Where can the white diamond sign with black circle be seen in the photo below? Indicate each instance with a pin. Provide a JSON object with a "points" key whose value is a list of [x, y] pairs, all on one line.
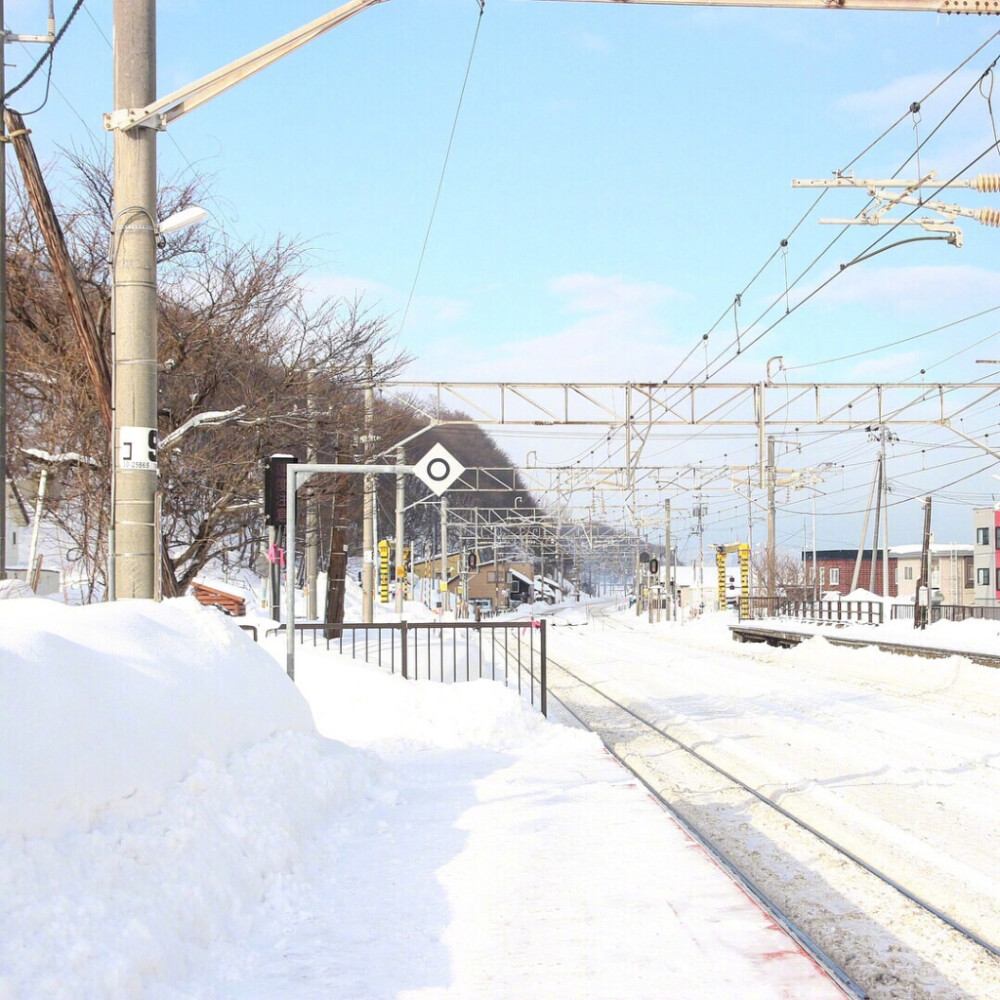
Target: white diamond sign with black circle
{"points": [[438, 469]]}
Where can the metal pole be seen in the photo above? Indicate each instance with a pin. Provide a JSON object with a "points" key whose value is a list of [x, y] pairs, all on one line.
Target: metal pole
{"points": [[312, 511], [771, 589], [670, 567], [885, 519], [400, 557], [367, 539], [444, 556], [134, 437], [291, 485]]}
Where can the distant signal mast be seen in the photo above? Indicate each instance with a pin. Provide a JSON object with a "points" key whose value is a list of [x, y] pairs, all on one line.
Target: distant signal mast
{"points": [[908, 194]]}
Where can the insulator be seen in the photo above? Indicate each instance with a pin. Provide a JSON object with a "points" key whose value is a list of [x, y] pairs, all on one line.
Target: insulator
{"points": [[988, 182], [990, 216]]}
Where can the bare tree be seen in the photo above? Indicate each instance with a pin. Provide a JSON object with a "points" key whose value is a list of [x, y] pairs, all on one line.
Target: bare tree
{"points": [[248, 365]]}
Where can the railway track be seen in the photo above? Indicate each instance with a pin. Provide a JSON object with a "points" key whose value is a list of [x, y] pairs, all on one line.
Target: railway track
{"points": [[831, 900], [787, 638]]}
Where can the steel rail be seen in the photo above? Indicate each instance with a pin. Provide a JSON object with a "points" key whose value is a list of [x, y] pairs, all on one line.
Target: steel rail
{"points": [[919, 901], [839, 975]]}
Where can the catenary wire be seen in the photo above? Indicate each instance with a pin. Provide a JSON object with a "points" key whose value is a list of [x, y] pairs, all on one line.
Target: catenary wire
{"points": [[444, 168]]}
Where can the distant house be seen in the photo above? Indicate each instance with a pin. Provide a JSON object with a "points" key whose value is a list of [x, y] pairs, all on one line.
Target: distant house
{"points": [[503, 584], [951, 566], [835, 571]]}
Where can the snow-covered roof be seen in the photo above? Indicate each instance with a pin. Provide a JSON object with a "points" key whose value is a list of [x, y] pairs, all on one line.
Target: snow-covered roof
{"points": [[936, 549]]}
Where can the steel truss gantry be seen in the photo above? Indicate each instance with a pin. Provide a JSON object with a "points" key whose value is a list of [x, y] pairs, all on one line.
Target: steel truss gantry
{"points": [[706, 404], [636, 409]]}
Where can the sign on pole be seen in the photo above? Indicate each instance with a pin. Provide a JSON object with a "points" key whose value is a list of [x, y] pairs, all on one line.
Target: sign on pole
{"points": [[438, 469]]}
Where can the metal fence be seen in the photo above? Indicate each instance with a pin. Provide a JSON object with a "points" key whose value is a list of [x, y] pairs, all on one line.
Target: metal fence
{"points": [[948, 612], [447, 652], [868, 612]]}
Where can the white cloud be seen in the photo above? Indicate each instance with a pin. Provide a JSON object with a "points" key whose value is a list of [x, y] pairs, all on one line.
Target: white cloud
{"points": [[594, 293], [345, 286], [887, 103], [618, 334], [916, 289], [887, 367], [590, 41]]}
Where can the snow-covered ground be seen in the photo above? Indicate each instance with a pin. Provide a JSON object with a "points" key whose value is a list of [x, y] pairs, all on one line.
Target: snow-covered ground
{"points": [[178, 820], [895, 757]]}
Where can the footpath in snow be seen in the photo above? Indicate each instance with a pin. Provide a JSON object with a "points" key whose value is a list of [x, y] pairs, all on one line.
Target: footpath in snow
{"points": [[178, 820]]}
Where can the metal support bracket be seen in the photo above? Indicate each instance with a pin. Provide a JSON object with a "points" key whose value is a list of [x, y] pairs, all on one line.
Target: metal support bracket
{"points": [[127, 118]]}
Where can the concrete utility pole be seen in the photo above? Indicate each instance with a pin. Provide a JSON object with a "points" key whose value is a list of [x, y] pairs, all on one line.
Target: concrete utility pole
{"points": [[878, 522], [367, 537], [133, 259], [400, 553]]}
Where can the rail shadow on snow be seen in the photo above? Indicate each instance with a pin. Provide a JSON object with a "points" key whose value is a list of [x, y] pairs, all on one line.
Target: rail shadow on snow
{"points": [[889, 968]]}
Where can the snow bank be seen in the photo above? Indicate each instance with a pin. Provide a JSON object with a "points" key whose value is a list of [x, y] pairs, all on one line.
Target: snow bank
{"points": [[106, 702], [160, 775], [363, 705]]}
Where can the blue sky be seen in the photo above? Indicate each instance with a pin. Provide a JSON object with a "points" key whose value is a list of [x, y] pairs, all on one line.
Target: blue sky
{"points": [[618, 175]]}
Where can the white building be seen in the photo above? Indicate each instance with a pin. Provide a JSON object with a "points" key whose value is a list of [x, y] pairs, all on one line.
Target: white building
{"points": [[951, 565], [986, 557]]}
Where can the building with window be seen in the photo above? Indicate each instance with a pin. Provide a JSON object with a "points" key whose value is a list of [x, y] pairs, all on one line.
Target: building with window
{"points": [[986, 524], [835, 570], [951, 565]]}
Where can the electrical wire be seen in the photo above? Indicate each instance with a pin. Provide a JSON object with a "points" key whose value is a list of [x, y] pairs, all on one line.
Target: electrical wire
{"points": [[444, 168], [892, 343], [745, 346], [48, 52]]}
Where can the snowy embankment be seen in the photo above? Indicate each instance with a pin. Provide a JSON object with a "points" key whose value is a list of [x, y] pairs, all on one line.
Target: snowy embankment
{"points": [[159, 775], [175, 821]]}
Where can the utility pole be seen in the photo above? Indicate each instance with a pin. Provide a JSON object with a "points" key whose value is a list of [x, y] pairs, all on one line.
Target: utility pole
{"points": [[400, 555], [875, 533], [921, 615], [133, 258], [885, 518], [367, 539], [670, 564], [772, 592]]}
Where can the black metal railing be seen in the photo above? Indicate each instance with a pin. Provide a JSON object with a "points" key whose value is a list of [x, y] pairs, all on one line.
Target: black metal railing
{"points": [[948, 612], [448, 652], [867, 612]]}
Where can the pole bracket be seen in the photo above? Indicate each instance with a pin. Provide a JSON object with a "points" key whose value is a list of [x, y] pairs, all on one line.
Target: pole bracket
{"points": [[129, 118]]}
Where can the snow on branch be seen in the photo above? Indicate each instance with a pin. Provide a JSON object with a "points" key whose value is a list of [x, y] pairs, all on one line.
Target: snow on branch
{"points": [[212, 418], [65, 458]]}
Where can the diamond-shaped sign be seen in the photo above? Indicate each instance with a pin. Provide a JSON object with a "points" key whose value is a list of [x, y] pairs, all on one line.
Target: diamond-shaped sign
{"points": [[438, 469]]}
